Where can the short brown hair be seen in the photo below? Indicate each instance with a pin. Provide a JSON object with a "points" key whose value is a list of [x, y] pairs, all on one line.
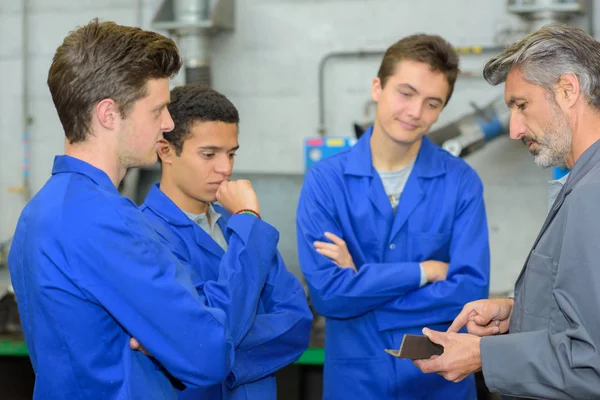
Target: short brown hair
{"points": [[432, 50], [104, 60]]}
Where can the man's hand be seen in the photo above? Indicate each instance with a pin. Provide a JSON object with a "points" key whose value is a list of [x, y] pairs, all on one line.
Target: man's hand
{"points": [[336, 251], [484, 317], [461, 355], [135, 345], [435, 270], [237, 195]]}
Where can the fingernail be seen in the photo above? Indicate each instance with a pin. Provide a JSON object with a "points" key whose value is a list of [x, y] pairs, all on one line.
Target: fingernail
{"points": [[426, 331]]}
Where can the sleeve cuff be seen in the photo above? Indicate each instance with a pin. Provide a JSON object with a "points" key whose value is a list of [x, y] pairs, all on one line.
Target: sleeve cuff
{"points": [[247, 226], [423, 281]]}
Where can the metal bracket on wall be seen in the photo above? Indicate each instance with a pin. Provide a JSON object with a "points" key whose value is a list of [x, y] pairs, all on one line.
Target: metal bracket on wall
{"points": [[203, 14], [193, 22]]}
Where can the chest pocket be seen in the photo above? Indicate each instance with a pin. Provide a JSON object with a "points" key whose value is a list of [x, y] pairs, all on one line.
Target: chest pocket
{"points": [[537, 288], [429, 246]]}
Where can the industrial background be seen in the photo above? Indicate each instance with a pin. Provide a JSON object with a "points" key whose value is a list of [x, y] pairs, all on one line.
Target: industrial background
{"points": [[299, 71]]}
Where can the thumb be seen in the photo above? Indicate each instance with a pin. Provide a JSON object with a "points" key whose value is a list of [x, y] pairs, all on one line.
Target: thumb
{"points": [[134, 344], [480, 320], [435, 336]]}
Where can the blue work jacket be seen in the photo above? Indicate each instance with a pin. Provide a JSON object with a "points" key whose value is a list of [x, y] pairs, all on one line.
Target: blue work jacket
{"points": [[441, 216], [265, 305], [89, 273]]}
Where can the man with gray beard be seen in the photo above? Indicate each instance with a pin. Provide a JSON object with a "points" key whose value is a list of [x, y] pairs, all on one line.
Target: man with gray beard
{"points": [[546, 342]]}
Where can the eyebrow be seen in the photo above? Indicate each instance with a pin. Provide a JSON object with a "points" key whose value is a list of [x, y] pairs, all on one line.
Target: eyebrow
{"points": [[217, 148], [414, 89], [163, 105], [513, 100]]}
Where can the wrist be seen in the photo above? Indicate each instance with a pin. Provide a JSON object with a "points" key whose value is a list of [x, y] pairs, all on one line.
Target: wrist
{"points": [[509, 304], [249, 212], [427, 271], [478, 361]]}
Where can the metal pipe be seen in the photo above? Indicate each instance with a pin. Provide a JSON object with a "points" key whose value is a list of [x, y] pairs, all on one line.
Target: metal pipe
{"points": [[471, 131], [191, 11], [322, 63], [196, 47], [194, 43], [372, 53]]}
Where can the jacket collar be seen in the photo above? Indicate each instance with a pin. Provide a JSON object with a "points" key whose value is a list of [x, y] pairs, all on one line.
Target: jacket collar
{"points": [[427, 165], [68, 164], [163, 206]]}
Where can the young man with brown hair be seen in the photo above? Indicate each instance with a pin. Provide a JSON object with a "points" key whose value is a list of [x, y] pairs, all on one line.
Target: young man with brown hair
{"points": [[392, 233], [88, 270]]}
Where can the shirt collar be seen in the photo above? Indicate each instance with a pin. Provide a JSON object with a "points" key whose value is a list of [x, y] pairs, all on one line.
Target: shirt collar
{"points": [[198, 218]]}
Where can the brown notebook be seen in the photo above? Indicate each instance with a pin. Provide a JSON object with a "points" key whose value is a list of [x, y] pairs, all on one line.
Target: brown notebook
{"points": [[416, 347]]}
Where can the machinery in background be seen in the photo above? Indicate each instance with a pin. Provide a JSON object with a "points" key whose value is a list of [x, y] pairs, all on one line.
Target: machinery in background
{"points": [[541, 12], [461, 137], [319, 148], [4, 247], [470, 132], [10, 324], [193, 22]]}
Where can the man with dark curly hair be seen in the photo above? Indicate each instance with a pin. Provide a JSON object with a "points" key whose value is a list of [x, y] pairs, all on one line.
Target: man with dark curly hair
{"points": [[244, 275]]}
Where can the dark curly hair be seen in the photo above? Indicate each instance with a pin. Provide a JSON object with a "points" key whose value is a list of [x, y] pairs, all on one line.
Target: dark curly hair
{"points": [[197, 103]]}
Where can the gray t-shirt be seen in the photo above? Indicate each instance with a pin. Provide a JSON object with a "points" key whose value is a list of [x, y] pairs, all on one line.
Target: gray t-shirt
{"points": [[213, 229], [395, 181], [393, 184]]}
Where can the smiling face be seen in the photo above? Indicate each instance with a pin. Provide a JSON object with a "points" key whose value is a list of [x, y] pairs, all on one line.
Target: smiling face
{"points": [[410, 102], [537, 120]]}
